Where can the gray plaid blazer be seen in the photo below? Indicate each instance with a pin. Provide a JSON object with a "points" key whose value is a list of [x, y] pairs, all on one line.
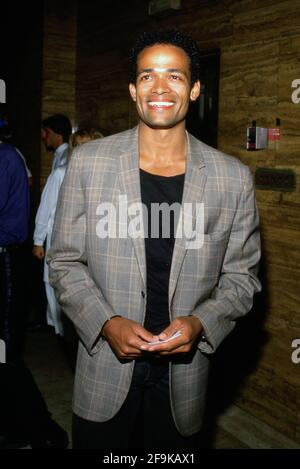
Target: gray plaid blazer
{"points": [[96, 278]]}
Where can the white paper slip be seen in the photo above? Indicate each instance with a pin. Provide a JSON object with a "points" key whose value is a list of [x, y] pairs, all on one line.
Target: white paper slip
{"points": [[174, 336]]}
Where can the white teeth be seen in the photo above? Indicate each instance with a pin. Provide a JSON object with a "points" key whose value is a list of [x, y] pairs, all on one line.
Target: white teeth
{"points": [[160, 103]]}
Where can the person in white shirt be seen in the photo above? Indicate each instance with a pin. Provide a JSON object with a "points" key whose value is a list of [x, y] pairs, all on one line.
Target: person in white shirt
{"points": [[56, 131]]}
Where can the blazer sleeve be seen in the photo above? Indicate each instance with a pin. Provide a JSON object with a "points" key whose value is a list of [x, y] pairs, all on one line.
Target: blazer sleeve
{"points": [[233, 296], [79, 296]]}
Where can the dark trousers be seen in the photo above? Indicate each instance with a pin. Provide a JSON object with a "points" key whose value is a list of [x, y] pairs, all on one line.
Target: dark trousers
{"points": [[13, 300], [144, 421], [23, 411]]}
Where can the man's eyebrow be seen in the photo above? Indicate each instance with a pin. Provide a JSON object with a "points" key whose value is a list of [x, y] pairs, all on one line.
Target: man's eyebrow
{"points": [[169, 70]]}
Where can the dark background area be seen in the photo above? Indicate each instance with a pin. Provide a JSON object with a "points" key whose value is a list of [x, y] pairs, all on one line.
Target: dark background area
{"points": [[21, 26]]}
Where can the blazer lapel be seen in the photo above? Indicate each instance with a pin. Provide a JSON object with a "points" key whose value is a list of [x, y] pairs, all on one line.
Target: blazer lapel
{"points": [[194, 184], [129, 182]]}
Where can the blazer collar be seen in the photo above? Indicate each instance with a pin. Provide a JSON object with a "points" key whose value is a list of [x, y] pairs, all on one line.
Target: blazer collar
{"points": [[194, 184], [129, 182], [129, 146]]}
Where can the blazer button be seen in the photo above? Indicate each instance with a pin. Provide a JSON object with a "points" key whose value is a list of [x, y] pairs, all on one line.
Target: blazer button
{"points": [[143, 294]]}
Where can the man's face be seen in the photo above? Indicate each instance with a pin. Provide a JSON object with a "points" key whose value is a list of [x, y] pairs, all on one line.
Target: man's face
{"points": [[163, 86], [51, 139]]}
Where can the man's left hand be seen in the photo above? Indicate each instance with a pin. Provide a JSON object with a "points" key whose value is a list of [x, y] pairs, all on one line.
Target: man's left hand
{"points": [[190, 328]]}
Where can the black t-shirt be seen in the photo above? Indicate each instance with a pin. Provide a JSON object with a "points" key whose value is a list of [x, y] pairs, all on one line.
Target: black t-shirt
{"points": [[159, 250]]}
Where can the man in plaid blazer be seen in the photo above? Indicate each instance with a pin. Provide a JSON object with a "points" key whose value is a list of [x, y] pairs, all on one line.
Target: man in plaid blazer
{"points": [[128, 293]]}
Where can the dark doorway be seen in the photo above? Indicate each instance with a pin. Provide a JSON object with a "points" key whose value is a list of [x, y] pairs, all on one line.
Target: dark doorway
{"points": [[202, 119]]}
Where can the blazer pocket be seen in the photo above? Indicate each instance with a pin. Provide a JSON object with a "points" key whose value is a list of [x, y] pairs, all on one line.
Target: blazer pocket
{"points": [[215, 239], [206, 259], [216, 236]]}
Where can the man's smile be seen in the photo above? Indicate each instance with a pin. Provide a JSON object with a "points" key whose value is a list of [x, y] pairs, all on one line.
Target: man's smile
{"points": [[161, 104]]}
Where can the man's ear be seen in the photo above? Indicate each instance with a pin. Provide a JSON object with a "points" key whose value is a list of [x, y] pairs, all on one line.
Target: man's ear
{"points": [[59, 139], [195, 91], [132, 91]]}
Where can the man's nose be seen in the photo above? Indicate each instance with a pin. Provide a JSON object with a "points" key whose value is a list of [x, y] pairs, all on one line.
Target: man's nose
{"points": [[160, 85]]}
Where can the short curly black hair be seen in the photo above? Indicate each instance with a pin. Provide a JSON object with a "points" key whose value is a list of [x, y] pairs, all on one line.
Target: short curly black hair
{"points": [[60, 124], [169, 36]]}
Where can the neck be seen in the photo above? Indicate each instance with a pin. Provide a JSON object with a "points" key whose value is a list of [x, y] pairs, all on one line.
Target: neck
{"points": [[162, 149], [59, 144], [165, 145]]}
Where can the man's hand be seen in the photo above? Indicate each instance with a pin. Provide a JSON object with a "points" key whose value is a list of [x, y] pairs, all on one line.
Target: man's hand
{"points": [[190, 328], [39, 252], [126, 337]]}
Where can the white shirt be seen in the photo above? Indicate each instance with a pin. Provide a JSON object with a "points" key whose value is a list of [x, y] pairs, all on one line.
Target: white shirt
{"points": [[45, 215], [46, 212], [60, 156]]}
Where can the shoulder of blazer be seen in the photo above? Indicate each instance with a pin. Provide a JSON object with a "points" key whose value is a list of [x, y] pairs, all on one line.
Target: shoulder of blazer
{"points": [[217, 162]]}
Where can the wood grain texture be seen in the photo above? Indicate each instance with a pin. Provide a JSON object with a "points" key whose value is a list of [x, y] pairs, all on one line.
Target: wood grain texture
{"points": [[59, 67]]}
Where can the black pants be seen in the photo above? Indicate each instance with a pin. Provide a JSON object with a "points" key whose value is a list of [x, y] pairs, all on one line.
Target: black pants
{"points": [[13, 300], [23, 411], [144, 421]]}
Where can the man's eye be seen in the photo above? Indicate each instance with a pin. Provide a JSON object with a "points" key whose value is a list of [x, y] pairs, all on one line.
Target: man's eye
{"points": [[175, 77], [146, 77]]}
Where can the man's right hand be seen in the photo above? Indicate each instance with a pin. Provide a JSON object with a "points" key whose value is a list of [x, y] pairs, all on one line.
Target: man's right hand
{"points": [[39, 252], [126, 337]]}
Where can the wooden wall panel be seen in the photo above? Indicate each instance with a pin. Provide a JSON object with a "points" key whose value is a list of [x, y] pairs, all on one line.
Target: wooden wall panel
{"points": [[59, 66], [260, 397]]}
